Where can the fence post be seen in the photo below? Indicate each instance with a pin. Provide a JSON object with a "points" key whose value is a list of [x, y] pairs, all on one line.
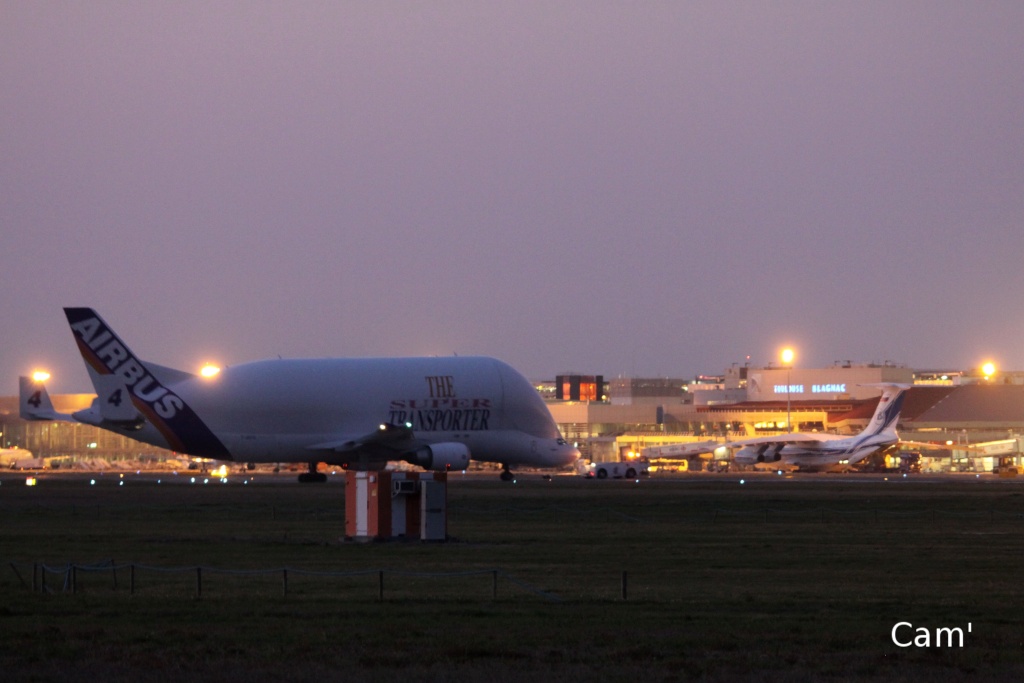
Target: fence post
{"points": [[71, 579]]}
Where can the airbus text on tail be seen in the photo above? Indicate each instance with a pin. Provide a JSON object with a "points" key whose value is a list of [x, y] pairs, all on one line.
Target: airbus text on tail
{"points": [[124, 385]]}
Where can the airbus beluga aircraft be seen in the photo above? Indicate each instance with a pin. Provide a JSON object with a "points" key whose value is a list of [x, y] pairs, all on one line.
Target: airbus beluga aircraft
{"points": [[437, 413]]}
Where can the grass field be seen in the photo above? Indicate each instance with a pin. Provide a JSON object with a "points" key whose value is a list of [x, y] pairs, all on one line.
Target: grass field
{"points": [[776, 579]]}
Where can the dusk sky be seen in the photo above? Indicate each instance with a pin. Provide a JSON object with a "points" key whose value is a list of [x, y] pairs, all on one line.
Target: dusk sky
{"points": [[645, 189]]}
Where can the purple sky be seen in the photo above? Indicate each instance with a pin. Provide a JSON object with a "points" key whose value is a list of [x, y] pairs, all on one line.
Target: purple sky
{"points": [[618, 188]]}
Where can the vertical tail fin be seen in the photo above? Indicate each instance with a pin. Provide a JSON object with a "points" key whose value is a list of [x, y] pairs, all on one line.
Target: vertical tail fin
{"points": [[887, 414], [125, 385], [34, 401]]}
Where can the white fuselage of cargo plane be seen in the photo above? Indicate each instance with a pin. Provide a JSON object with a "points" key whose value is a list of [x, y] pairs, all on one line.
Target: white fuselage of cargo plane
{"points": [[265, 410], [824, 455], [436, 412], [824, 451]]}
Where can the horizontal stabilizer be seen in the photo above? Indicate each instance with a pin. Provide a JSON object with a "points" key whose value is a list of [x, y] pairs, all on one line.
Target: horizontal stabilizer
{"points": [[115, 403], [34, 402]]}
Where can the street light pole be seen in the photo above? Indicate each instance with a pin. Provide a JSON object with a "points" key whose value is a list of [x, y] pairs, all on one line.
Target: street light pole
{"points": [[789, 388], [787, 358]]}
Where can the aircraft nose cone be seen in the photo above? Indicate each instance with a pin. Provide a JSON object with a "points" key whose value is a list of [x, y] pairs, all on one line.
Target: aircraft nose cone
{"points": [[569, 455]]}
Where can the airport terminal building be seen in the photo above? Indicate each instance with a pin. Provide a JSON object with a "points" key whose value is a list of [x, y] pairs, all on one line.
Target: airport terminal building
{"points": [[950, 407]]}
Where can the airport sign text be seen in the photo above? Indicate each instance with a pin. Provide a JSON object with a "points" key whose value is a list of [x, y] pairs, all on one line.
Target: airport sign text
{"points": [[815, 389]]}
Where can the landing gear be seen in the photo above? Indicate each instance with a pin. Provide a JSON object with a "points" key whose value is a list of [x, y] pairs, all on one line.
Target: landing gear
{"points": [[312, 477], [506, 473]]}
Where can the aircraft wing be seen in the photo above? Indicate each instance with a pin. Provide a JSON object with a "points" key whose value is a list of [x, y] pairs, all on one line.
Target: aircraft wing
{"points": [[387, 440], [809, 440], [681, 450]]}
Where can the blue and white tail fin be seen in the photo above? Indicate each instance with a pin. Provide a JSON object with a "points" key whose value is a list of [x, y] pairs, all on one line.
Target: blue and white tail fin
{"points": [[887, 414], [34, 402], [128, 391]]}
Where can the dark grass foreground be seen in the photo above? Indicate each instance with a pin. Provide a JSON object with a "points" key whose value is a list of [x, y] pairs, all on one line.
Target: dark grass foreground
{"points": [[773, 580]]}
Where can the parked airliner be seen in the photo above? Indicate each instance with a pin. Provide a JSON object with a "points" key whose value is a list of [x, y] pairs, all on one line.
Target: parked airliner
{"points": [[823, 451], [437, 413]]}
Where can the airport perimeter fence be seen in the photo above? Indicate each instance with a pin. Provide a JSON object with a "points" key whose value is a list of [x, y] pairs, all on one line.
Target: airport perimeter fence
{"points": [[47, 579]]}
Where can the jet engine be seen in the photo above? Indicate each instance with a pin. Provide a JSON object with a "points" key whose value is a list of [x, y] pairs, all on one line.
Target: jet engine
{"points": [[746, 456], [762, 453], [441, 457]]}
